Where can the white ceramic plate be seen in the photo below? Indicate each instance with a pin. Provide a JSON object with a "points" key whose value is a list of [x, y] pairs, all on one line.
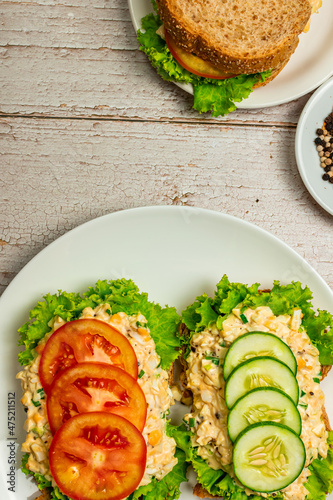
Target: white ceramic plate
{"points": [[173, 253], [313, 115], [309, 66]]}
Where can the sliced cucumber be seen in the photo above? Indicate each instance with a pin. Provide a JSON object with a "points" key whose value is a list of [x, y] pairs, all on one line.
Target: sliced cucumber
{"points": [[267, 457], [263, 404], [260, 372], [254, 344]]}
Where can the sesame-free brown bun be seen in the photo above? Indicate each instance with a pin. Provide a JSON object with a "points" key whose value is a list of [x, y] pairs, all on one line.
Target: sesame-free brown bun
{"points": [[238, 37]]}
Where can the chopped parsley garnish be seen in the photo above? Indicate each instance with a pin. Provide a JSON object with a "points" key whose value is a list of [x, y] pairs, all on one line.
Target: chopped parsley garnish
{"points": [[141, 374], [303, 405], [41, 393]]}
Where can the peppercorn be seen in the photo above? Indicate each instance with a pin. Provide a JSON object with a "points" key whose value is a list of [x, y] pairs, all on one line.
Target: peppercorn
{"points": [[324, 147]]}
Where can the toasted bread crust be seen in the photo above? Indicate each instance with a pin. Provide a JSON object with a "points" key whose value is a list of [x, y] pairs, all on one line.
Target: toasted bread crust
{"points": [[274, 74], [200, 492], [325, 370], [326, 419], [255, 40]]}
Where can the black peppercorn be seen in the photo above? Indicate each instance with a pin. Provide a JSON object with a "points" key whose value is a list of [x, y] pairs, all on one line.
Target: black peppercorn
{"points": [[325, 177], [330, 180], [319, 131], [327, 168]]}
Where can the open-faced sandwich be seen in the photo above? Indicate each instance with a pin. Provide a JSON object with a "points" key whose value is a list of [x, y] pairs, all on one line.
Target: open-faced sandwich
{"points": [[96, 389], [224, 49], [253, 361]]}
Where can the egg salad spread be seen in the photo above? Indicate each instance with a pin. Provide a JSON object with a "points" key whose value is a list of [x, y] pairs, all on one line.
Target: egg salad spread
{"points": [[153, 380]]}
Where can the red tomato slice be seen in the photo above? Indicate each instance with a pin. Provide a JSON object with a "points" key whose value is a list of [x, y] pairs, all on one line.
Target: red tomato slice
{"points": [[85, 340], [193, 63], [97, 456], [95, 387]]}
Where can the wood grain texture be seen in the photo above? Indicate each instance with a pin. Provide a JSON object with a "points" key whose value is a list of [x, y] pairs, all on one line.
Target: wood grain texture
{"points": [[60, 173]]}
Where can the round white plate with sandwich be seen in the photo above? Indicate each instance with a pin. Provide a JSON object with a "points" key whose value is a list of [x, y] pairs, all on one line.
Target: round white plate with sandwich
{"points": [[308, 67], [173, 253]]}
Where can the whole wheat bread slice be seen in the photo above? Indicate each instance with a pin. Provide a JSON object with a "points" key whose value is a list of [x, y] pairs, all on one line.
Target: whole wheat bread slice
{"points": [[240, 37]]}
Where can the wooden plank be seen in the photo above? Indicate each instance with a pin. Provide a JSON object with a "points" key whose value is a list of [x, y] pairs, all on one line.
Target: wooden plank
{"points": [[78, 59], [59, 173]]}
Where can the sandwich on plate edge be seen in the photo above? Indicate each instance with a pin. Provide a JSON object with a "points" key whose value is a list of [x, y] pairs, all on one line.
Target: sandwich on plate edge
{"points": [[97, 368], [253, 361], [223, 49]]}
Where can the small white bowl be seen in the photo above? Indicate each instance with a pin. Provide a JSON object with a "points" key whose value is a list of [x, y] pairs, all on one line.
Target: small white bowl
{"points": [[312, 117]]}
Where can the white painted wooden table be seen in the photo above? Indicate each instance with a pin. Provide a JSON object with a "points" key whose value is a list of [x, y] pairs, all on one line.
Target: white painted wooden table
{"points": [[87, 128]]}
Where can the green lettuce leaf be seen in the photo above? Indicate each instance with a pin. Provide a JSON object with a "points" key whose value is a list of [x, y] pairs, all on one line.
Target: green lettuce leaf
{"points": [[122, 295], [216, 96], [282, 299], [320, 482]]}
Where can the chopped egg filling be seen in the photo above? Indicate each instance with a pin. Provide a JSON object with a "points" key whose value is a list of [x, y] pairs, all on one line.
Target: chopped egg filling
{"points": [[205, 380], [153, 381]]}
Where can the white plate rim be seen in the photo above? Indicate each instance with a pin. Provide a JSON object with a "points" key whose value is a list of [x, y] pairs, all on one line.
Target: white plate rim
{"points": [[127, 212], [185, 213]]}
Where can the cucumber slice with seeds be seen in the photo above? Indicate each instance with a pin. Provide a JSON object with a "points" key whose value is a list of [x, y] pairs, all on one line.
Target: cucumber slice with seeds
{"points": [[268, 457], [260, 372], [254, 344], [260, 405]]}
